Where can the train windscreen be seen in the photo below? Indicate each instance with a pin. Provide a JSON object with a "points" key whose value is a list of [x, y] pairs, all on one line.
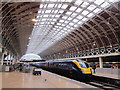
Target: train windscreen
{"points": [[84, 65]]}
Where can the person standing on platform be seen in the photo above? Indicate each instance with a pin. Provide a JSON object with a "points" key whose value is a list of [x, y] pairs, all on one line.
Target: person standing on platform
{"points": [[112, 66], [20, 67], [116, 66], [94, 68]]}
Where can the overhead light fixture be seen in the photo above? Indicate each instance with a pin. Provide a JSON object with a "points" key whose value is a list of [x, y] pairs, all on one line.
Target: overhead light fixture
{"points": [[34, 20], [94, 43], [29, 37]]}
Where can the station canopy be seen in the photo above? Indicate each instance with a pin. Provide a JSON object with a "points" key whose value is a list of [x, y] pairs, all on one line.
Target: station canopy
{"points": [[51, 27], [56, 20], [31, 56]]}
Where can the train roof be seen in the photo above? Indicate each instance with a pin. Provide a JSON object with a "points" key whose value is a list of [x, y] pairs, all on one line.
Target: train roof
{"points": [[79, 60]]}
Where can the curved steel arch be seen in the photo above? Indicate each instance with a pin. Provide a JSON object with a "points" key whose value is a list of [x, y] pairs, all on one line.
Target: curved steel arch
{"points": [[10, 28]]}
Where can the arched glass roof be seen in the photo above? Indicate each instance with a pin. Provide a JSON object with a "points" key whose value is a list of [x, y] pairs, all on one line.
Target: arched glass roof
{"points": [[60, 28], [56, 19]]}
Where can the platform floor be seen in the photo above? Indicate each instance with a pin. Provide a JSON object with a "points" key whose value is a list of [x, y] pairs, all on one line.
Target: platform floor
{"points": [[46, 80], [107, 75]]}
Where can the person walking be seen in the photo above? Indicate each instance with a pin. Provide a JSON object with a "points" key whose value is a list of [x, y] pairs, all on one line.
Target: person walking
{"points": [[94, 68]]}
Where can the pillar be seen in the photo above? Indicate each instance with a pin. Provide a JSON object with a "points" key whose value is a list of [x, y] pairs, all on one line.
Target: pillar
{"points": [[86, 60], [2, 59], [7, 59], [13, 61], [10, 59], [100, 62]]}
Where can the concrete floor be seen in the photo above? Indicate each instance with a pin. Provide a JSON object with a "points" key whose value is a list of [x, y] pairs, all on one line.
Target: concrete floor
{"points": [[46, 80], [0, 80], [107, 75]]}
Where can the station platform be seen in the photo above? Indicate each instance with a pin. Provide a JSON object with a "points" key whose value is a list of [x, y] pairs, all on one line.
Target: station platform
{"points": [[45, 80], [108, 75], [108, 72]]}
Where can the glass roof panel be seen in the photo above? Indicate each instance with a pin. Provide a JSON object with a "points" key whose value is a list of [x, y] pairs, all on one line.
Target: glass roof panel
{"points": [[79, 10], [61, 21], [98, 2], [61, 11], [64, 6], [90, 15], [97, 10], [74, 14], [47, 11], [59, 5], [69, 13], [55, 20], [46, 15], [71, 23], [84, 19], [79, 17], [91, 7], [105, 4], [50, 5], [80, 22], [69, 18], [75, 20], [41, 6], [78, 2], [64, 17], [73, 8], [85, 4]]}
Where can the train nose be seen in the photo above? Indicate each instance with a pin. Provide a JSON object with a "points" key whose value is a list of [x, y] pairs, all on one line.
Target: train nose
{"points": [[86, 71]]}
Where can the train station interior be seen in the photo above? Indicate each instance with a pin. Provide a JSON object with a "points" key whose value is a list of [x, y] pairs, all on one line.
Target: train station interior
{"points": [[60, 44]]}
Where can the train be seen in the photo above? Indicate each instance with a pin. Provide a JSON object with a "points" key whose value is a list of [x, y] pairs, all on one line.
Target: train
{"points": [[73, 68]]}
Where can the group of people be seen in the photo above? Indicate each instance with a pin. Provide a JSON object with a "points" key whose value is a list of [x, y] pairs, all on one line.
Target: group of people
{"points": [[17, 67], [114, 65]]}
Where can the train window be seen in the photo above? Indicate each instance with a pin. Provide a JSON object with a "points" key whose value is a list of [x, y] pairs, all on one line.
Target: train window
{"points": [[84, 65], [56, 64]]}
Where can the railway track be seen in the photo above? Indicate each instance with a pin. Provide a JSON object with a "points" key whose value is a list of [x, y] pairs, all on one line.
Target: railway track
{"points": [[104, 83]]}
